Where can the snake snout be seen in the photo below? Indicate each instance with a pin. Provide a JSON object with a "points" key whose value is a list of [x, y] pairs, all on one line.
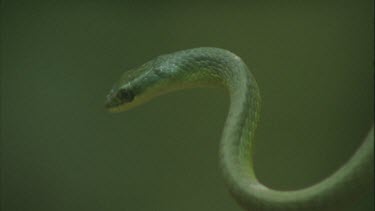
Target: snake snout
{"points": [[111, 100]]}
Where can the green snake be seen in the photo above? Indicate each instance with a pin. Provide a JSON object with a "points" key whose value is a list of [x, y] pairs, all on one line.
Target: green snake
{"points": [[216, 67]]}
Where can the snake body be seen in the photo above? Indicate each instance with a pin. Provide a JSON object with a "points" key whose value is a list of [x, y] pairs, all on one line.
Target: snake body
{"points": [[221, 68]]}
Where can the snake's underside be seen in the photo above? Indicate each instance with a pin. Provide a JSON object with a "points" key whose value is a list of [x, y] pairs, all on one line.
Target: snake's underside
{"points": [[217, 67]]}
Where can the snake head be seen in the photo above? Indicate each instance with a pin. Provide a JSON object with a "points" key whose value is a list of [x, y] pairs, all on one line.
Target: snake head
{"points": [[118, 97], [163, 74], [139, 85], [128, 91]]}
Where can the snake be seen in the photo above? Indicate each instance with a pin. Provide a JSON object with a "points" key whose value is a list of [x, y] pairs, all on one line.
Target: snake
{"points": [[215, 67]]}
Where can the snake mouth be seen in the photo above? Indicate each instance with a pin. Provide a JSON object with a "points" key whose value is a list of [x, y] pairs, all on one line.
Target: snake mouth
{"points": [[112, 104], [115, 106]]}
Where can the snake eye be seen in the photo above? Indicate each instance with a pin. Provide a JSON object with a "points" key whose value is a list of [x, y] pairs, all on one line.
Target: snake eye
{"points": [[125, 95]]}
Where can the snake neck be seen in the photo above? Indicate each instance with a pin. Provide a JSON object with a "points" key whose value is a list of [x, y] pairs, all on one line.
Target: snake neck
{"points": [[218, 67]]}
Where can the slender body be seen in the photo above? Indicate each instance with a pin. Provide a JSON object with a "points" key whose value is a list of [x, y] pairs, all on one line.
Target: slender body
{"points": [[218, 67]]}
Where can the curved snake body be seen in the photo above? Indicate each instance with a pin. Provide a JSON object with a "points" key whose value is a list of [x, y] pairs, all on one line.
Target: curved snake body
{"points": [[218, 67]]}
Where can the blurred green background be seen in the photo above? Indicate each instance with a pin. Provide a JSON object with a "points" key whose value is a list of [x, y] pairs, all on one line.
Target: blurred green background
{"points": [[61, 150]]}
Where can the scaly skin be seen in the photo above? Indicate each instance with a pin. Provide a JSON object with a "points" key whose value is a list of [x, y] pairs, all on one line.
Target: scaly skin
{"points": [[217, 67]]}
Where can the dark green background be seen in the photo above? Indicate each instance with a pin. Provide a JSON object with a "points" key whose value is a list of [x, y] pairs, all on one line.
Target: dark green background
{"points": [[61, 150]]}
